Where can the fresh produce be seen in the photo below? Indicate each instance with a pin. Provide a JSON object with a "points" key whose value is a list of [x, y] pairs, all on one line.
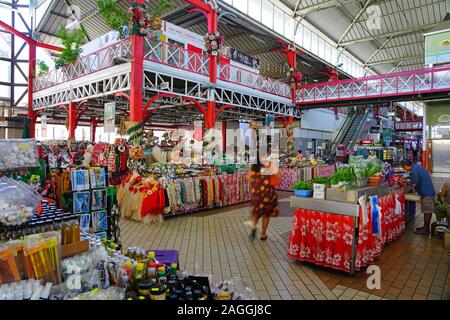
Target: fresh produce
{"points": [[373, 167], [364, 168], [322, 180], [301, 185], [344, 174]]}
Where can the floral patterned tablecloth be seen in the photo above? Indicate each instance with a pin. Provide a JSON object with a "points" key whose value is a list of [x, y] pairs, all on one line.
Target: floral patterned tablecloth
{"points": [[289, 176], [326, 239]]}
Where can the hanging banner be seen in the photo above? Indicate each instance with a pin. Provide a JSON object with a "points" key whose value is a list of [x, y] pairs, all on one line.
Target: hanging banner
{"points": [[437, 47], [44, 126], [110, 117]]}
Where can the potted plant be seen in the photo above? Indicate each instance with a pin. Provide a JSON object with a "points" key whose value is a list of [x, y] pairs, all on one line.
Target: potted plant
{"points": [[72, 43], [43, 68], [303, 189]]}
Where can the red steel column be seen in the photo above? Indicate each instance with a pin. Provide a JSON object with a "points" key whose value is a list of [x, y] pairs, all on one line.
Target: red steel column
{"points": [[213, 26], [31, 75], [224, 136], [137, 75], [94, 123], [72, 120], [292, 60]]}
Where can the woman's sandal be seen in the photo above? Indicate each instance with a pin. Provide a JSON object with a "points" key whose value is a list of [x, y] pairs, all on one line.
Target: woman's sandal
{"points": [[264, 238]]}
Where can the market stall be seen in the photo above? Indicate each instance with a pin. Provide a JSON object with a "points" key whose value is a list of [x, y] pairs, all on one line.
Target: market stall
{"points": [[43, 247], [343, 235], [350, 217]]}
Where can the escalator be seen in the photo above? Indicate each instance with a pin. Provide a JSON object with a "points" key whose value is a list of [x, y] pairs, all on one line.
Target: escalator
{"points": [[352, 129]]}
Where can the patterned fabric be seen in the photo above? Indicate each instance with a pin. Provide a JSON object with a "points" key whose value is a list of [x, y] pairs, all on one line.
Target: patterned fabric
{"points": [[324, 171], [289, 176], [327, 239], [264, 195]]}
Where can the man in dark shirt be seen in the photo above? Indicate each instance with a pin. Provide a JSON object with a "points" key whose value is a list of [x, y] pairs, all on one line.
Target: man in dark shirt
{"points": [[421, 179]]}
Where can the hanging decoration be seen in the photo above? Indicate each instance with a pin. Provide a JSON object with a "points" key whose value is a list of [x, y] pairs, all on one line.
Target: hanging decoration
{"points": [[213, 43], [290, 140], [142, 21]]}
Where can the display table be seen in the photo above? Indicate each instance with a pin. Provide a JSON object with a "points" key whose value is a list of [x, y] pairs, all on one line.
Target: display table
{"points": [[332, 233]]}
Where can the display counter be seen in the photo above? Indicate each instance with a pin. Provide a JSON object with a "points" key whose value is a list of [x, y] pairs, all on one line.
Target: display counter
{"points": [[338, 234]]}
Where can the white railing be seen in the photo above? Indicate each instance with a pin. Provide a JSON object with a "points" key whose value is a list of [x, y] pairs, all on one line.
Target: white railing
{"points": [[253, 80], [94, 62], [175, 56], [396, 84]]}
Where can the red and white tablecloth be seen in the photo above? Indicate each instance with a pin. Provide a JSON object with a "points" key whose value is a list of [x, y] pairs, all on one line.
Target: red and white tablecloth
{"points": [[289, 176], [327, 239]]}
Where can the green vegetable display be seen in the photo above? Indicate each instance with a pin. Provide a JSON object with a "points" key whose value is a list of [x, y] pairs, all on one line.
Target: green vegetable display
{"points": [[344, 174], [364, 168], [322, 180], [301, 185]]}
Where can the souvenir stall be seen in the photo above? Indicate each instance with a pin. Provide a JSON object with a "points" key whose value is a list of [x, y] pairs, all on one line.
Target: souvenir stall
{"points": [[40, 264], [41, 245], [346, 224], [148, 198]]}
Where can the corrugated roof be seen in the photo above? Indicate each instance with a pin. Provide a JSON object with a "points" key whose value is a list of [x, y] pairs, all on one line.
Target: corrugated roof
{"points": [[397, 44]]}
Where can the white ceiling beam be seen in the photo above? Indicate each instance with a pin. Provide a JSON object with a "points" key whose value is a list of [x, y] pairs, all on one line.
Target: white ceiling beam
{"points": [[394, 60], [355, 20], [325, 5], [397, 66], [390, 34], [378, 50], [401, 11]]}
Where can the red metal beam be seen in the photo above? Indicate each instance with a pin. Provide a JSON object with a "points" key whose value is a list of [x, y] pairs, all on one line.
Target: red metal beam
{"points": [[200, 5], [28, 39], [224, 107], [156, 97], [122, 94]]}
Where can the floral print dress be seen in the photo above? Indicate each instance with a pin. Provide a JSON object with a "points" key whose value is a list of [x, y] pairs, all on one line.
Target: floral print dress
{"points": [[264, 196]]}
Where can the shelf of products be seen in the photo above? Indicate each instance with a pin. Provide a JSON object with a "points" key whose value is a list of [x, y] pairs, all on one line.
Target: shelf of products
{"points": [[40, 267]]}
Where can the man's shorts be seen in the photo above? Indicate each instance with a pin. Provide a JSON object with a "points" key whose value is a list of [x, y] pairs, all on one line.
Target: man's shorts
{"points": [[427, 204]]}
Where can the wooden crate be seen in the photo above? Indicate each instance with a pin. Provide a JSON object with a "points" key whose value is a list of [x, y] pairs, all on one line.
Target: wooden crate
{"points": [[73, 249]]}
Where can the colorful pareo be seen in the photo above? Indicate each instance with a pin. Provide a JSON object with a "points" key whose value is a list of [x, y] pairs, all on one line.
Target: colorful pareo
{"points": [[264, 196]]}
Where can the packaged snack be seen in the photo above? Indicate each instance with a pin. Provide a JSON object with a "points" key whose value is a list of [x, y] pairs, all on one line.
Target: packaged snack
{"points": [[9, 272]]}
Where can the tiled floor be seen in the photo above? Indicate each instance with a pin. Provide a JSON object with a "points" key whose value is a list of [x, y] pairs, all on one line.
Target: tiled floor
{"points": [[217, 243]]}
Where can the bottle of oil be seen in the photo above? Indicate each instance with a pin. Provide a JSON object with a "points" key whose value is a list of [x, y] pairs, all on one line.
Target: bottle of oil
{"points": [[66, 237], [75, 231]]}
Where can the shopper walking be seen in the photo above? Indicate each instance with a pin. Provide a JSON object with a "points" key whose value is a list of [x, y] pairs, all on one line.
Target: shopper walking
{"points": [[421, 179], [263, 181]]}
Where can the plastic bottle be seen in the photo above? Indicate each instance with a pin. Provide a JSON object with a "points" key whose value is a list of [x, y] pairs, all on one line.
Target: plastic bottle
{"points": [[128, 268], [173, 268], [46, 292], [138, 275]]}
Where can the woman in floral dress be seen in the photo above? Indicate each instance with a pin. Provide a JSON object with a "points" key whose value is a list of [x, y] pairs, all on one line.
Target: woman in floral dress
{"points": [[263, 181]]}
